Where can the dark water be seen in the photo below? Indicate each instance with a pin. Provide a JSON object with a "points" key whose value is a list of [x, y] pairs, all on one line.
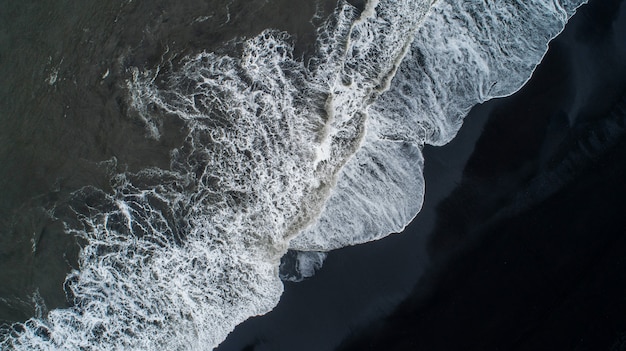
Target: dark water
{"points": [[64, 115], [65, 123]]}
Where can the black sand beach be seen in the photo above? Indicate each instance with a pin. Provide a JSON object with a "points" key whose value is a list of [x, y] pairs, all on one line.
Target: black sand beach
{"points": [[520, 245], [521, 242]]}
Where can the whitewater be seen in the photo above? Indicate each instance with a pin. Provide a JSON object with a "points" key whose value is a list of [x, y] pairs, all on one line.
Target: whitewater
{"points": [[280, 152]]}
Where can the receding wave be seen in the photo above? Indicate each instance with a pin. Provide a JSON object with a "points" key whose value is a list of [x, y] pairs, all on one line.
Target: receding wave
{"points": [[464, 53], [278, 154]]}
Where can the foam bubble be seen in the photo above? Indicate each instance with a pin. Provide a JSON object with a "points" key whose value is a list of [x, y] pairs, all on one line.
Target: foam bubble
{"points": [[295, 266]]}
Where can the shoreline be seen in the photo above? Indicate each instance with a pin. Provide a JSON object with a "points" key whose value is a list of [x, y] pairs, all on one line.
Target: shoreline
{"points": [[352, 298]]}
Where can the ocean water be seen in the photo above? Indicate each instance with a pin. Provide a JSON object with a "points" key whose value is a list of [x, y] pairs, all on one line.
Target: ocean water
{"points": [[159, 160]]}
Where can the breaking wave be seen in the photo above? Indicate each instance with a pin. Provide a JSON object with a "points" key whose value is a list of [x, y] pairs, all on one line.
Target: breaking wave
{"points": [[464, 53], [278, 154]]}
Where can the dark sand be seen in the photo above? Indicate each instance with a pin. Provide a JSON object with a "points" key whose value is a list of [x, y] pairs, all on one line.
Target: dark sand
{"points": [[521, 244]]}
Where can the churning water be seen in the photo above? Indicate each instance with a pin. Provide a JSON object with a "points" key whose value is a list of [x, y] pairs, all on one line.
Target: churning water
{"points": [[180, 160]]}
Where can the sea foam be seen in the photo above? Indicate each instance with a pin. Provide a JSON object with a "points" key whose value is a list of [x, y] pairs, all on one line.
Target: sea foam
{"points": [[278, 154], [464, 53]]}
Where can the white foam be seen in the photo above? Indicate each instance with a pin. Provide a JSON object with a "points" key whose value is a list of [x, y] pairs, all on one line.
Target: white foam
{"points": [[296, 266], [176, 258], [464, 53]]}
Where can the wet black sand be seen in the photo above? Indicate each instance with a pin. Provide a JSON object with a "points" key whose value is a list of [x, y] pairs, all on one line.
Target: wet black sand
{"points": [[521, 244]]}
